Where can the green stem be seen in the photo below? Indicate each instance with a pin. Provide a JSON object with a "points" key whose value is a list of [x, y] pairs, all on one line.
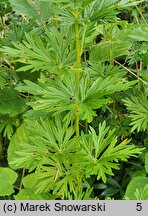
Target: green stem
{"points": [[77, 118], [83, 39], [78, 66], [21, 183], [130, 71], [139, 11], [78, 49]]}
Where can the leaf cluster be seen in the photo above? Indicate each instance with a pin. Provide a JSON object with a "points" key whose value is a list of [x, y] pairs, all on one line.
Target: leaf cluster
{"points": [[73, 88], [61, 161]]}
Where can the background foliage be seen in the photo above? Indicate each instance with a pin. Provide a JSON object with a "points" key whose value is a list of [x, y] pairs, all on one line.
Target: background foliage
{"points": [[73, 99]]}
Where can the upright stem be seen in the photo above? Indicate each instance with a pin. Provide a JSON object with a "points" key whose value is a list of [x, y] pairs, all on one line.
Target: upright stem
{"points": [[78, 48], [77, 118], [78, 66]]}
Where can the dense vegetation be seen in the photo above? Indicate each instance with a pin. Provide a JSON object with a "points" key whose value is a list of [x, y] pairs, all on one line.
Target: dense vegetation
{"points": [[73, 99]]}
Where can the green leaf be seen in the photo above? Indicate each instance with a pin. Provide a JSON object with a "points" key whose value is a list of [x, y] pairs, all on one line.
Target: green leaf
{"points": [[146, 162], [110, 192], [51, 151], [29, 194], [137, 189], [139, 34], [30, 181], [102, 153], [24, 7], [57, 156], [7, 179], [123, 4], [138, 107], [63, 95], [8, 124], [59, 43], [20, 136], [103, 10], [10, 102], [53, 54], [138, 173], [30, 148], [112, 47]]}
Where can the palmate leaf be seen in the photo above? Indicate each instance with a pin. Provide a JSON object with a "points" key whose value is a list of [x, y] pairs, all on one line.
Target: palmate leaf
{"points": [[51, 150], [111, 48], [62, 4], [138, 108], [99, 68], [106, 10], [60, 161], [33, 53], [139, 33], [103, 10], [60, 43], [38, 10], [122, 126], [24, 7], [102, 153], [28, 192], [39, 142], [38, 55], [64, 95], [123, 4], [55, 135]]}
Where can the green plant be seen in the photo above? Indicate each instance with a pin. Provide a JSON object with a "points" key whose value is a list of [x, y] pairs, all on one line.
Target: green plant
{"points": [[7, 179], [62, 163], [137, 189], [72, 130]]}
